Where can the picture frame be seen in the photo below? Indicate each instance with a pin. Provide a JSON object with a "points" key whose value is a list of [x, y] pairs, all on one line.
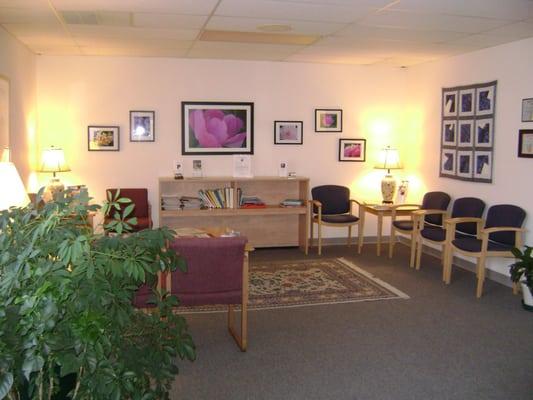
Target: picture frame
{"points": [[527, 110], [449, 132], [352, 150], [465, 164], [328, 120], [288, 132], [4, 112], [217, 128], [525, 143], [103, 138], [485, 99], [483, 132], [483, 166], [465, 133], [447, 162], [467, 102], [449, 103], [142, 126]]}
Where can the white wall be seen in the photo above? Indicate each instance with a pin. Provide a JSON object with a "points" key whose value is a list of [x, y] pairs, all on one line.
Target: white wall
{"points": [[74, 92], [17, 64], [511, 66]]}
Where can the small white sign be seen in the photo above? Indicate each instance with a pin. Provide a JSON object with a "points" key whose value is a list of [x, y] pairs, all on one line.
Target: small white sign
{"points": [[242, 166], [283, 170]]}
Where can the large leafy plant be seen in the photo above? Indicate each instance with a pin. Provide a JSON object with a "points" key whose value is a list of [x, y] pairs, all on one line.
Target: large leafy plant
{"points": [[66, 306], [523, 267]]}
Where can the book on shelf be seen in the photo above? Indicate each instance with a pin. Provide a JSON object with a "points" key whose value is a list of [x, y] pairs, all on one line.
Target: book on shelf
{"points": [[217, 198], [292, 203]]}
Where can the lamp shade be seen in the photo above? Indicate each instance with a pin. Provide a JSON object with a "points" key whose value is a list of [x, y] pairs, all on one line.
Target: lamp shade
{"points": [[12, 192], [53, 160], [388, 159]]}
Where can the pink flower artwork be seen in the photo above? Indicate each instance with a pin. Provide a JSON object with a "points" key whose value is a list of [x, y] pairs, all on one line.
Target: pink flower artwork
{"points": [[288, 133], [215, 129], [352, 150], [328, 120]]}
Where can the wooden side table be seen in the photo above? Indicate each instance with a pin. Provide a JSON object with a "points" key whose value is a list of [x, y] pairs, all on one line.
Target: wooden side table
{"points": [[379, 210]]}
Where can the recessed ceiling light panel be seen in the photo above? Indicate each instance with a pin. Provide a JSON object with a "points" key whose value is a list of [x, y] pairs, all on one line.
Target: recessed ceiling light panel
{"points": [[274, 28]]}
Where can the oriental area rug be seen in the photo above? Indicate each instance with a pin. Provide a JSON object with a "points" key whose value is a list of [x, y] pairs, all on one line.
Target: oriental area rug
{"points": [[282, 284]]}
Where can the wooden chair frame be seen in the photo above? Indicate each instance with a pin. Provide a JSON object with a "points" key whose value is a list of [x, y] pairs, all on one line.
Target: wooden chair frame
{"points": [[483, 235], [411, 233], [317, 219], [420, 218]]}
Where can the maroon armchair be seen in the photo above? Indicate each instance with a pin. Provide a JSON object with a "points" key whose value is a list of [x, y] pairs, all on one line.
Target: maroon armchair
{"points": [[217, 273], [142, 210]]}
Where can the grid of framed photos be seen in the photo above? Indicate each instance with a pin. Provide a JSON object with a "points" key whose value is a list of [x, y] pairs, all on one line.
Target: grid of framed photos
{"points": [[467, 132]]}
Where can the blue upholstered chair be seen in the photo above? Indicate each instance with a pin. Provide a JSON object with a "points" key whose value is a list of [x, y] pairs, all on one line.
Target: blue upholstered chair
{"points": [[332, 206], [465, 207], [502, 231], [434, 201]]}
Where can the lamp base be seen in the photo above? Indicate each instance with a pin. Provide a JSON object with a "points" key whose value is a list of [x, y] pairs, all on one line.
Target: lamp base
{"points": [[388, 187], [54, 186]]}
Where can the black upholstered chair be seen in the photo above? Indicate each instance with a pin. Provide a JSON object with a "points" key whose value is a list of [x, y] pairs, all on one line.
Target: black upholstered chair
{"points": [[502, 231], [434, 201], [331, 206], [465, 207]]}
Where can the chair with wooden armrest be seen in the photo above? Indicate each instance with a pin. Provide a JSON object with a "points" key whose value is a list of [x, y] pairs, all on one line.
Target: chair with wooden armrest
{"points": [[465, 207], [435, 201], [142, 210], [332, 206], [502, 231]]}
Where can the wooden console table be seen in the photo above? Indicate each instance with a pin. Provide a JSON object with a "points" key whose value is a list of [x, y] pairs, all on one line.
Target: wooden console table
{"points": [[379, 210]]}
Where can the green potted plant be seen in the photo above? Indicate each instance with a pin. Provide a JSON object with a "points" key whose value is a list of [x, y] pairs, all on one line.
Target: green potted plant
{"points": [[66, 311], [522, 272]]}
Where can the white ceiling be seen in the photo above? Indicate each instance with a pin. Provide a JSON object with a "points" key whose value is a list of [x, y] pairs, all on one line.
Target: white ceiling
{"points": [[390, 32]]}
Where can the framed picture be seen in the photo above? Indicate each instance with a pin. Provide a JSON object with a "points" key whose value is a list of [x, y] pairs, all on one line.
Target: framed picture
{"points": [[103, 138], [485, 99], [328, 120], [288, 132], [525, 143], [466, 133], [449, 103], [483, 166], [142, 124], [466, 102], [447, 162], [449, 129], [4, 113], [217, 128], [464, 164], [483, 136], [352, 150], [527, 110]]}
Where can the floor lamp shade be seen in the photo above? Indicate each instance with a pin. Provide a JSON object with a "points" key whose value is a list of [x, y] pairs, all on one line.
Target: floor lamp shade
{"points": [[388, 159], [12, 191]]}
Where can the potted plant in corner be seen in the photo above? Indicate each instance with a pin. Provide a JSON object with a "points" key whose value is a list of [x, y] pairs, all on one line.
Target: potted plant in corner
{"points": [[522, 272], [66, 310]]}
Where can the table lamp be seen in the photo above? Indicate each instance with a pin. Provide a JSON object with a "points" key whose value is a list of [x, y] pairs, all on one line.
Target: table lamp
{"points": [[12, 191], [388, 159], [53, 161]]}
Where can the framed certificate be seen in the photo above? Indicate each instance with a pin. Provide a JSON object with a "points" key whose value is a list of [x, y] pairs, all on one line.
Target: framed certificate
{"points": [[527, 110]]}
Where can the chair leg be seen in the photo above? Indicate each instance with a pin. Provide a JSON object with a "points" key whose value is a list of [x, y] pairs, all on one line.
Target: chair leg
{"points": [[392, 240], [413, 250], [359, 238], [418, 253], [480, 276], [515, 288], [241, 340], [349, 235], [444, 261], [319, 238], [448, 267], [311, 232]]}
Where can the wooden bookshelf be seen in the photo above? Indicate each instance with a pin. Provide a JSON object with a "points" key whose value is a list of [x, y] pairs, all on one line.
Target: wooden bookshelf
{"points": [[272, 226]]}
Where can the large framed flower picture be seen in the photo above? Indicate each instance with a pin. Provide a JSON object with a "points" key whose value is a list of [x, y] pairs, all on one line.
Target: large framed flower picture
{"points": [[217, 128]]}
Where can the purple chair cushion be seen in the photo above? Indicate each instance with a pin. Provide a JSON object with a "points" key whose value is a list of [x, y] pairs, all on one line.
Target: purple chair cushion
{"points": [[404, 225], [473, 245], [214, 270], [339, 219], [438, 234]]}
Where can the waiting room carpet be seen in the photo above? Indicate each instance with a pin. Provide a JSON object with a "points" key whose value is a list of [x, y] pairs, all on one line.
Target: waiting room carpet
{"points": [[280, 284]]}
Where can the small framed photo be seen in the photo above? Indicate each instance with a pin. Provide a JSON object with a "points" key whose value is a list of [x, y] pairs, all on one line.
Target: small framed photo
{"points": [[483, 166], [464, 164], [466, 133], [483, 136], [327, 120], [449, 103], [525, 143], [449, 137], [466, 102], [103, 138], [288, 132], [352, 150], [447, 162], [142, 124], [485, 100], [527, 110]]}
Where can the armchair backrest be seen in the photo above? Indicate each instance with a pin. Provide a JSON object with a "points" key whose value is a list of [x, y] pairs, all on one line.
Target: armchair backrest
{"points": [[468, 207], [214, 270], [335, 199], [435, 201], [504, 215], [139, 197]]}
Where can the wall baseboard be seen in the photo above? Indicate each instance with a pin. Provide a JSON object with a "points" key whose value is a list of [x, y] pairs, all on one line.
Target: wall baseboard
{"points": [[458, 262]]}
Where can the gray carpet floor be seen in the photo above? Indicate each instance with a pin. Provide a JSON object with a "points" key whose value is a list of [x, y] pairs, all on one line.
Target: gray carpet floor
{"points": [[442, 343]]}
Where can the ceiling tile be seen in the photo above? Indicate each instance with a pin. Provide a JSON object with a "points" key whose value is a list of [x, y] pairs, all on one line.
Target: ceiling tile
{"points": [[35, 29], [27, 16], [133, 42], [241, 51], [195, 7], [429, 21], [126, 32], [291, 10], [168, 21], [374, 32], [33, 4], [330, 57], [47, 40], [57, 50], [133, 52]]}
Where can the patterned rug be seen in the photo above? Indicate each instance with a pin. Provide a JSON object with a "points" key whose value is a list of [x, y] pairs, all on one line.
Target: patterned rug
{"points": [[307, 283]]}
